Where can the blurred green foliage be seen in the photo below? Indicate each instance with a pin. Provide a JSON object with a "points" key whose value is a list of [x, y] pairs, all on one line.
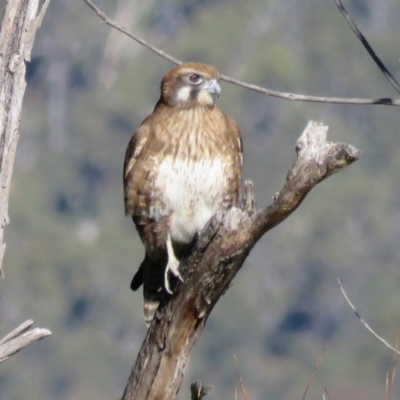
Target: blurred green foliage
{"points": [[71, 253]]}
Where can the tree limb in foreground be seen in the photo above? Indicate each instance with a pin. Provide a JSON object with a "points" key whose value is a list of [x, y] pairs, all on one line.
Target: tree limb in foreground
{"points": [[18, 30], [273, 93], [218, 254], [20, 338]]}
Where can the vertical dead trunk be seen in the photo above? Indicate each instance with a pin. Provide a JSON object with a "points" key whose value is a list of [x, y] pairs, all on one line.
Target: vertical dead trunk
{"points": [[18, 31]]}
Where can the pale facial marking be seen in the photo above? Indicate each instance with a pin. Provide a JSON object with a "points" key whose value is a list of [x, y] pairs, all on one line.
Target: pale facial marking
{"points": [[183, 94]]}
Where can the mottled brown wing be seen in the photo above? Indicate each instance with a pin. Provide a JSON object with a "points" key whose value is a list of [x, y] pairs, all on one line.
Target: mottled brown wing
{"points": [[234, 131], [234, 151], [132, 163], [139, 169]]}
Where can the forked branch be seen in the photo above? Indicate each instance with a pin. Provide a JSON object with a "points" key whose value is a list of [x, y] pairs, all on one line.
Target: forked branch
{"points": [[20, 338], [217, 256]]}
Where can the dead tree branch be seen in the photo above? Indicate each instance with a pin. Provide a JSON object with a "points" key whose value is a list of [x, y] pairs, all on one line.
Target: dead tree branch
{"points": [[199, 391], [367, 46], [18, 31], [366, 325], [217, 256], [20, 338], [273, 93]]}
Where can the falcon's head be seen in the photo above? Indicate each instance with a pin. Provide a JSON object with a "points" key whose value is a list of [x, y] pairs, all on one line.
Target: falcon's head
{"points": [[190, 85]]}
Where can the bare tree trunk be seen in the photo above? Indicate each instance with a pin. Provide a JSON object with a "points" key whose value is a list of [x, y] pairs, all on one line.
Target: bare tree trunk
{"points": [[18, 30], [219, 253]]}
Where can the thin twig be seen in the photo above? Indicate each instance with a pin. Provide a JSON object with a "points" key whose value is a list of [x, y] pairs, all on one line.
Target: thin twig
{"points": [[327, 393], [395, 359], [312, 99], [321, 356], [273, 93], [240, 378], [364, 323], [102, 15], [367, 46], [389, 385]]}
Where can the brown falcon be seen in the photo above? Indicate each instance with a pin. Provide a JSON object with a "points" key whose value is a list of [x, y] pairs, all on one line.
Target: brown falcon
{"points": [[182, 165]]}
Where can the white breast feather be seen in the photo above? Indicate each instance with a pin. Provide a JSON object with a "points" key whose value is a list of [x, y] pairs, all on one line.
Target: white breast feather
{"points": [[191, 192]]}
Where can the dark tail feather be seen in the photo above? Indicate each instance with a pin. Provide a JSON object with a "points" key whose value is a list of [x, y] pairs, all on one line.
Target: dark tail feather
{"points": [[153, 286], [137, 280]]}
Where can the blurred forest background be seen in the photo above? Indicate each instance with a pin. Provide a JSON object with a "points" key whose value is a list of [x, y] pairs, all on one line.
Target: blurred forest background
{"points": [[71, 253]]}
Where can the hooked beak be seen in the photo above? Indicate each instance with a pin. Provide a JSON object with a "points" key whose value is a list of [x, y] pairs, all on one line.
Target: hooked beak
{"points": [[213, 87]]}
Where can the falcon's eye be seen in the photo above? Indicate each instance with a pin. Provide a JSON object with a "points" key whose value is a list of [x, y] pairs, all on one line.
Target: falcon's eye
{"points": [[195, 78]]}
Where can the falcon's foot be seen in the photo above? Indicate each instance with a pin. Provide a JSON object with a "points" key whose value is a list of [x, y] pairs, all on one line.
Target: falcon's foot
{"points": [[172, 266]]}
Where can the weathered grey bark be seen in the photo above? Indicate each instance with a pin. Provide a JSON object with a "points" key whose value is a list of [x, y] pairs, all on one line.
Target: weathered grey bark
{"points": [[20, 338], [18, 30], [219, 253]]}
